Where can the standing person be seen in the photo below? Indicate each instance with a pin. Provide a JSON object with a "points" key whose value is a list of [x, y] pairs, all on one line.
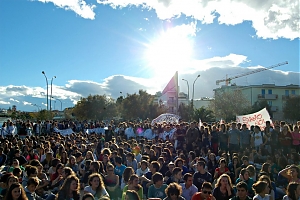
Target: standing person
{"points": [[257, 138], [70, 189], [245, 137], [223, 138], [188, 188], [296, 138], [15, 192], [205, 194], [261, 191], [242, 192], [285, 139], [96, 186], [274, 138], [223, 189], [215, 139], [293, 191], [192, 136], [109, 134], [201, 175], [234, 139]]}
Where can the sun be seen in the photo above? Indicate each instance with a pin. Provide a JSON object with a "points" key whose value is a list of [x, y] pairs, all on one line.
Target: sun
{"points": [[170, 51]]}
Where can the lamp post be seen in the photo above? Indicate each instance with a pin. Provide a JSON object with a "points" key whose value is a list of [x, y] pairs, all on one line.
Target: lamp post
{"points": [[193, 92], [51, 92], [38, 107], [47, 89], [188, 89], [60, 103]]}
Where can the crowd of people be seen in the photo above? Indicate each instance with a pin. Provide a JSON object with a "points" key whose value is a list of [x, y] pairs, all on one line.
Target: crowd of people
{"points": [[138, 160]]}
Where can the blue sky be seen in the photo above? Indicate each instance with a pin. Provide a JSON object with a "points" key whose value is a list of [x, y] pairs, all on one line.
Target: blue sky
{"points": [[104, 47]]}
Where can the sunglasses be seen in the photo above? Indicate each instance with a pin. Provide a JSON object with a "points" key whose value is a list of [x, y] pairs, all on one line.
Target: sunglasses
{"points": [[206, 192]]}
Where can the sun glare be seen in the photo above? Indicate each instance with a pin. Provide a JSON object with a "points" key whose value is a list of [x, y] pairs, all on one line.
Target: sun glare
{"points": [[171, 51]]}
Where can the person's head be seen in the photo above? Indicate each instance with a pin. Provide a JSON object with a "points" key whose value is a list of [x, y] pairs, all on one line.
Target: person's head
{"points": [[32, 184], [88, 196], [223, 181], [206, 189], [10, 180], [31, 171], [245, 173], [118, 160], [154, 166], [15, 163], [95, 166], [200, 165], [222, 162], [110, 168], [242, 189], [133, 180], [71, 184], [95, 181], [157, 179], [67, 171], [251, 170], [245, 160], [261, 187], [266, 167], [293, 190], [173, 191], [131, 195], [127, 173], [266, 179], [177, 173], [59, 168], [294, 171], [144, 164], [15, 191], [188, 179]]}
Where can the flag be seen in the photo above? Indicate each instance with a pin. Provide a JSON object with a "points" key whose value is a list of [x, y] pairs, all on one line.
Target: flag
{"points": [[172, 85], [200, 123]]}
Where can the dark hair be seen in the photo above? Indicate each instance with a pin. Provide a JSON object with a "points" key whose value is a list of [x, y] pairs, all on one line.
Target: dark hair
{"points": [[33, 181], [259, 186], [173, 188], [30, 170], [65, 189], [155, 165], [118, 159], [127, 173], [207, 185], [87, 195], [201, 163], [291, 190], [186, 176], [8, 195], [176, 170], [157, 177], [242, 184]]}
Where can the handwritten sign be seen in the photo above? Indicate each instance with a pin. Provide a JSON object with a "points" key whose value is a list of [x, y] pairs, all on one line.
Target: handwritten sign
{"points": [[256, 119], [167, 117]]}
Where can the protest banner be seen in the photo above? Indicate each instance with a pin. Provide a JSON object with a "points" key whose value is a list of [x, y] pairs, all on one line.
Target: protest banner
{"points": [[167, 117], [256, 119]]}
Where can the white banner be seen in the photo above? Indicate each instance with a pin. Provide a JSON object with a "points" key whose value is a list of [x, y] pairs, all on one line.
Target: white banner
{"points": [[167, 117], [256, 119], [64, 132]]}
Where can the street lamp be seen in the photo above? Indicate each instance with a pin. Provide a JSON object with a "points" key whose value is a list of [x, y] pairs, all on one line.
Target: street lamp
{"points": [[51, 92], [60, 103], [188, 89], [36, 106], [47, 89], [193, 92]]}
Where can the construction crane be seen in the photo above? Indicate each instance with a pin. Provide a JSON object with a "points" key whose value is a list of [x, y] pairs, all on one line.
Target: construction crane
{"points": [[227, 80]]}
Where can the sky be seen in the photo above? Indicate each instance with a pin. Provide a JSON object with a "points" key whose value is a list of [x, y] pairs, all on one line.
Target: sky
{"points": [[117, 47]]}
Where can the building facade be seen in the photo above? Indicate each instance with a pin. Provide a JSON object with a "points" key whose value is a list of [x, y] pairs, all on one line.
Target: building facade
{"points": [[276, 96]]}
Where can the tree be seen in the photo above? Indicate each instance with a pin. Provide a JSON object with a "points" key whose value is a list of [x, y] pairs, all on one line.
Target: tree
{"points": [[94, 107], [228, 104], [205, 114], [291, 108], [139, 105], [184, 111], [261, 104]]}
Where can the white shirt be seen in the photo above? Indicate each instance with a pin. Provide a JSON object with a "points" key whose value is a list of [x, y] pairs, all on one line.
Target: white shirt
{"points": [[90, 190], [141, 172], [258, 140], [258, 197]]}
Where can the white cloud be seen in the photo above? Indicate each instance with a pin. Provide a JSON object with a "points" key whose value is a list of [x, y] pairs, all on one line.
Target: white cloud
{"points": [[26, 103], [4, 102], [14, 100], [80, 7], [271, 19]]}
